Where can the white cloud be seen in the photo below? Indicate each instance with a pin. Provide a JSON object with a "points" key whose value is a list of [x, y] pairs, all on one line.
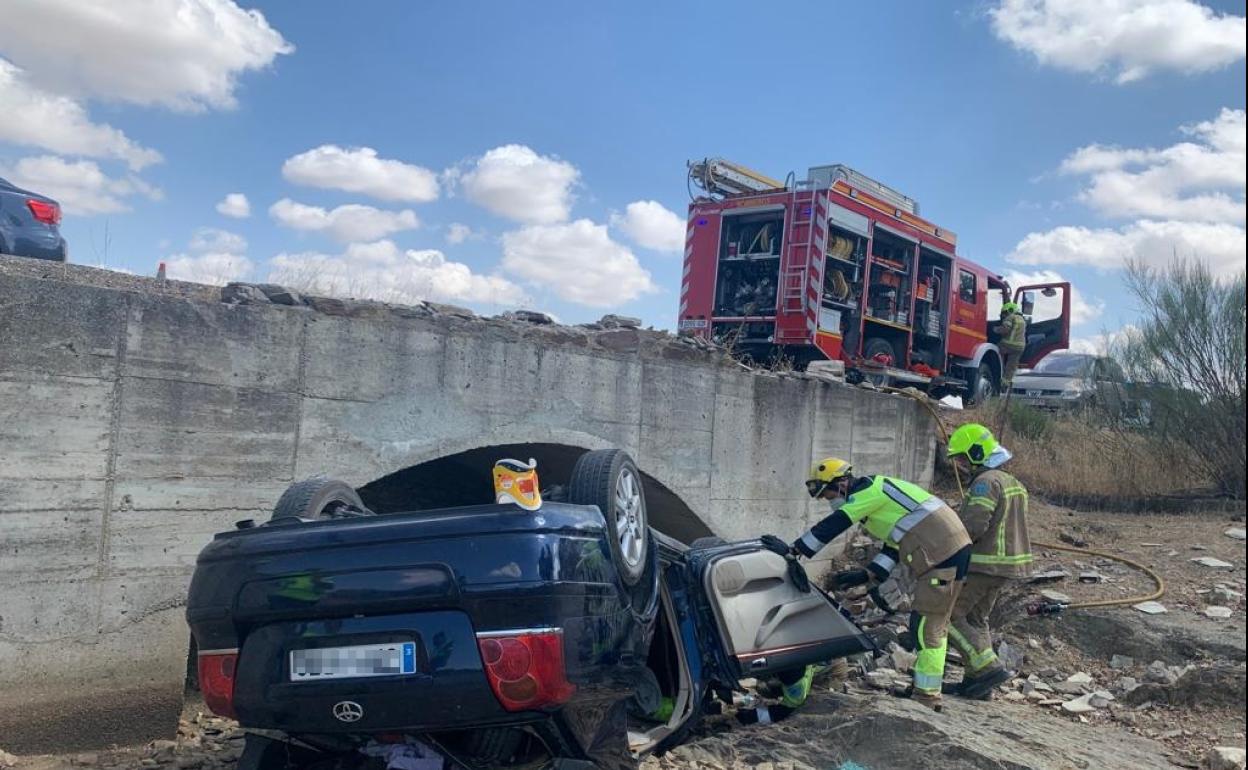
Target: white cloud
{"points": [[359, 170], [1192, 181], [1186, 200], [209, 239], [1154, 243], [578, 261], [1128, 38], [350, 223], [515, 182], [1082, 310], [215, 257], [458, 233], [36, 118], [234, 205], [79, 186], [652, 226], [385, 272], [182, 54], [213, 268]]}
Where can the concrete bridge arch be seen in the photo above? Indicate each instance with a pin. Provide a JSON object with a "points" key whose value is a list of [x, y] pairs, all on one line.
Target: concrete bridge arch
{"points": [[463, 478]]}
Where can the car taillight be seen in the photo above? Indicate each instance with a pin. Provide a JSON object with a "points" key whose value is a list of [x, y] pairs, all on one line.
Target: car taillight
{"points": [[525, 668], [48, 213], [216, 681]]}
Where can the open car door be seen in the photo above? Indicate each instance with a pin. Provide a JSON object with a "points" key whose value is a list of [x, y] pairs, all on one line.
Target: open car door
{"points": [[1047, 309], [767, 619]]}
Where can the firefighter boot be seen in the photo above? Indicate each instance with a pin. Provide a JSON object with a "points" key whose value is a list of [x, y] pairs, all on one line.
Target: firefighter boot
{"points": [[980, 685]]}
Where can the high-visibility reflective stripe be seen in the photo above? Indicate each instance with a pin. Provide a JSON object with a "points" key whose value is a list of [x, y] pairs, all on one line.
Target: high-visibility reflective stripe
{"points": [[986, 502], [911, 520], [981, 659], [928, 682], [885, 562], [812, 543], [894, 493], [1014, 490], [961, 642], [985, 558], [764, 716]]}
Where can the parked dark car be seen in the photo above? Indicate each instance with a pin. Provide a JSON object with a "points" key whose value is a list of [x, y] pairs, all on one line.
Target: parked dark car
{"points": [[500, 636], [29, 224]]}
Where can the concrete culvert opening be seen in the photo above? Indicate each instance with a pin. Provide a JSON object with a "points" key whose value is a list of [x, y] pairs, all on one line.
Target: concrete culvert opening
{"points": [[465, 479]]}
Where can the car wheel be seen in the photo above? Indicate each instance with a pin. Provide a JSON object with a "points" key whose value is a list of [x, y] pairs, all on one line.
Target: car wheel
{"points": [[317, 498], [609, 479]]}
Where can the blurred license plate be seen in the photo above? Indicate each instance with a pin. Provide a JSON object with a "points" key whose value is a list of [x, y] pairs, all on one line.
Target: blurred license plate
{"points": [[1034, 394], [394, 659]]}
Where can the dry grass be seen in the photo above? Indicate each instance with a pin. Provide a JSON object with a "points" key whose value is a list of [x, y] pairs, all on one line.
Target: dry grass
{"points": [[1076, 457]]}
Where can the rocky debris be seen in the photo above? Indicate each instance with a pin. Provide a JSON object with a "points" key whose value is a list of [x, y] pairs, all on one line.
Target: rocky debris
{"points": [[1056, 596], [1080, 705], [1219, 684], [1074, 540], [243, 294], [1150, 608], [1212, 563], [1049, 576], [1218, 613], [1225, 758], [1235, 533], [1120, 662], [1159, 673], [1090, 576], [1126, 684], [1010, 656], [612, 321], [7, 759], [1223, 595], [1075, 684], [528, 317]]}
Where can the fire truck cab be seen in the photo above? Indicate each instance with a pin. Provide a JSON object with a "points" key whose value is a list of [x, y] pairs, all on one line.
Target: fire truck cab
{"points": [[840, 266]]}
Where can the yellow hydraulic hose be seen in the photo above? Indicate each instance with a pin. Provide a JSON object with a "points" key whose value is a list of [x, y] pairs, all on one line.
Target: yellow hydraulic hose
{"points": [[1152, 575]]}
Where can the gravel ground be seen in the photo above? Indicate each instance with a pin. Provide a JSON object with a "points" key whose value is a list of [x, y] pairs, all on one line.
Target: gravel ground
{"points": [[860, 725]]}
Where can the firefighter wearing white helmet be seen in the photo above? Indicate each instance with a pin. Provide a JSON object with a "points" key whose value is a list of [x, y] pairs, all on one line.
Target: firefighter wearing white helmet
{"points": [[994, 512], [917, 529]]}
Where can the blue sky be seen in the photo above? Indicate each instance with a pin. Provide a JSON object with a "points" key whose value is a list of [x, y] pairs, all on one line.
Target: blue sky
{"points": [[1051, 135]]}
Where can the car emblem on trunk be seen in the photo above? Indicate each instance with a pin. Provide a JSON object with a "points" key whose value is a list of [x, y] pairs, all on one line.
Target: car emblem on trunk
{"points": [[348, 711]]}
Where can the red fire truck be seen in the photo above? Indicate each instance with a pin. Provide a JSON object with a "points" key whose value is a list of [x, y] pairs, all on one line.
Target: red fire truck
{"points": [[840, 266]]}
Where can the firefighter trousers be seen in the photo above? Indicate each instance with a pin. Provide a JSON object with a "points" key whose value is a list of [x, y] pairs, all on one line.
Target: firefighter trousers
{"points": [[935, 594], [1010, 365], [969, 629]]}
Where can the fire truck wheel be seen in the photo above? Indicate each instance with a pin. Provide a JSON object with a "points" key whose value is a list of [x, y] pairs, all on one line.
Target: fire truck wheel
{"points": [[984, 387], [877, 345]]}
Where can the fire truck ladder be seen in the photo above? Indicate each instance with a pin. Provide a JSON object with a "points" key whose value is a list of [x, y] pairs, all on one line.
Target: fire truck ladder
{"points": [[799, 243]]}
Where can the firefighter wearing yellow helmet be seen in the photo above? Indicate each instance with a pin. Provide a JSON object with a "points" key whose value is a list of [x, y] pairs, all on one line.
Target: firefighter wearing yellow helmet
{"points": [[1013, 340], [994, 512], [917, 529]]}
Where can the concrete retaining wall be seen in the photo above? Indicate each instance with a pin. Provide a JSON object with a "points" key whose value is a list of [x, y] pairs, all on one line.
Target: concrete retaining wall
{"points": [[136, 420]]}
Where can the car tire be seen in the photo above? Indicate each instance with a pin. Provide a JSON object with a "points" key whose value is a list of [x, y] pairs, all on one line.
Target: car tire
{"points": [[609, 479], [317, 498]]}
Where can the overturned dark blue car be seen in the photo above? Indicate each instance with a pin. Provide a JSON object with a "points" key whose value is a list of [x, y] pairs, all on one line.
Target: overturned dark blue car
{"points": [[567, 636]]}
